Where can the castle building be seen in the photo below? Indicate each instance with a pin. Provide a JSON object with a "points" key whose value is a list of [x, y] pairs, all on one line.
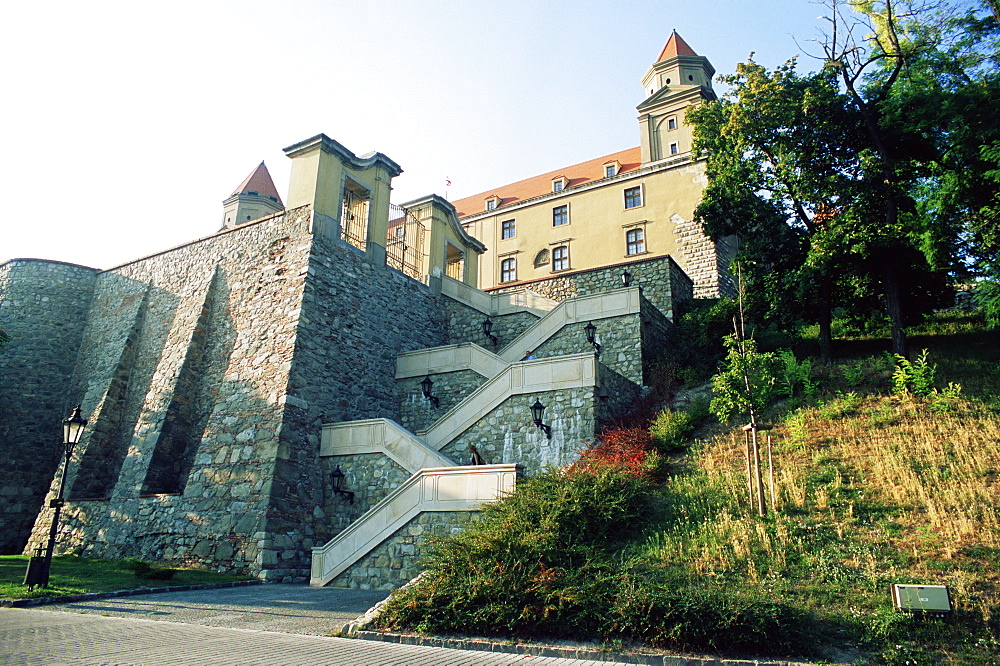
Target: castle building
{"points": [[298, 395], [619, 209]]}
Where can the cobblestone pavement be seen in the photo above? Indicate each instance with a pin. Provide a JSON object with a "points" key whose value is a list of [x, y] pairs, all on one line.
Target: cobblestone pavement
{"points": [[30, 637], [292, 609]]}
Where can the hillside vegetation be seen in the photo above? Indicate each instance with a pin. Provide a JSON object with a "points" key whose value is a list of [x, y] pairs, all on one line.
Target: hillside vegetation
{"points": [[881, 475]]}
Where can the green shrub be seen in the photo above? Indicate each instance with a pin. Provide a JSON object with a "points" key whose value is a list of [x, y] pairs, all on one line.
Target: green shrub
{"points": [[796, 376], [671, 429], [913, 377]]}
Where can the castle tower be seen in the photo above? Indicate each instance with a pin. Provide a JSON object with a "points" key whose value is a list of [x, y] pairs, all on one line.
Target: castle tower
{"points": [[679, 78], [254, 198]]}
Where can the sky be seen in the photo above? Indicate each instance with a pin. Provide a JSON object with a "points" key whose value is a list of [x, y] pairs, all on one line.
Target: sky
{"points": [[125, 124]]}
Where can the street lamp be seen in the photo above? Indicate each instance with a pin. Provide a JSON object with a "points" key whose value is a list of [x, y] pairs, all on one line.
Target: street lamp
{"points": [[626, 278], [39, 565]]}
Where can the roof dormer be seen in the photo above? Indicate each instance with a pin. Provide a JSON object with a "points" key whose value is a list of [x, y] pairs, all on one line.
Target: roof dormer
{"points": [[559, 183], [492, 202], [612, 168]]}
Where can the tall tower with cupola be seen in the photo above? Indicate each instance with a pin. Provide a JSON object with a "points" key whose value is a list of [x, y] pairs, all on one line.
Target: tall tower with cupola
{"points": [[678, 79]]}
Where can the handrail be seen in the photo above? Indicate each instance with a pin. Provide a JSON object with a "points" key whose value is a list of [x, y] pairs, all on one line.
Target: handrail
{"points": [[449, 358], [544, 374], [380, 436], [573, 310], [441, 489], [521, 300]]}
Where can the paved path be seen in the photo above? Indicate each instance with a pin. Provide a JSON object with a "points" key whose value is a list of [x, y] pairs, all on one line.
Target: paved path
{"points": [[264, 624]]}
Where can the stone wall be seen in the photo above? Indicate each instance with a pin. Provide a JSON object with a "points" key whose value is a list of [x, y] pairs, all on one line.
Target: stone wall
{"points": [[508, 435], [370, 476], [400, 557], [465, 324], [183, 372], [42, 307], [707, 262], [450, 388], [663, 282]]}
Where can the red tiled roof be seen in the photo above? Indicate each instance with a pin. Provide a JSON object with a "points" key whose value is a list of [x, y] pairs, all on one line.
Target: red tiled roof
{"points": [[675, 46], [578, 174], [260, 182]]}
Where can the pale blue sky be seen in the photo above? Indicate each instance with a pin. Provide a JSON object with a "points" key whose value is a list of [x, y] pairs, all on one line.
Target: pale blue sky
{"points": [[126, 124]]}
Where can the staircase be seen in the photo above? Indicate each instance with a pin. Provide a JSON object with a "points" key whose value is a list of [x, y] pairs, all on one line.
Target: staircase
{"points": [[437, 483]]}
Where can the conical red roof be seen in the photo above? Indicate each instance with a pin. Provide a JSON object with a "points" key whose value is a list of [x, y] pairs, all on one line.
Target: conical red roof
{"points": [[675, 46], [260, 182]]}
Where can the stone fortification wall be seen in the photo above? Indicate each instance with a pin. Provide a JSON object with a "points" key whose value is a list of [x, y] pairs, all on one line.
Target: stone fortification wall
{"points": [[663, 282], [183, 372], [355, 318], [707, 262], [450, 388], [620, 339], [508, 435], [400, 557], [42, 307]]}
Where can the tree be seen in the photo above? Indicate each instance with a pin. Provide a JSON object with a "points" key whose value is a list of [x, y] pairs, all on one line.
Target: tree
{"points": [[781, 157]]}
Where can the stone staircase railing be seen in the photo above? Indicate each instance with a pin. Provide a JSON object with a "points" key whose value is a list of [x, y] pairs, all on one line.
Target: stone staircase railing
{"points": [[573, 310], [437, 489], [381, 436], [546, 374], [470, 356], [449, 358], [497, 304]]}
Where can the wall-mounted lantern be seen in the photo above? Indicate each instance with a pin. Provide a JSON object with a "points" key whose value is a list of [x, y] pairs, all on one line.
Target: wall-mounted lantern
{"points": [[488, 331], [537, 411], [426, 385], [591, 332], [626, 278], [337, 481]]}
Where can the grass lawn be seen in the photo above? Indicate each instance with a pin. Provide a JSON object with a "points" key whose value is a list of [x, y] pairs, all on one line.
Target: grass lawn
{"points": [[78, 575]]}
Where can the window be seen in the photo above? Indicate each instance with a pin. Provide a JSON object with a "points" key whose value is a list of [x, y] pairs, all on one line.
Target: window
{"points": [[560, 258], [491, 204], [507, 229], [557, 186], [609, 171], [508, 269], [635, 241], [673, 148], [560, 215], [671, 123], [633, 197]]}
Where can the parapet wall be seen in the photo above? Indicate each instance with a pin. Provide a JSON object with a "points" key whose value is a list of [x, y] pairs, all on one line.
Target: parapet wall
{"points": [[43, 305]]}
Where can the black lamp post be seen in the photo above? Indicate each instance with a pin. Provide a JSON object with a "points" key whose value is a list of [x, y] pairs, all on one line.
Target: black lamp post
{"points": [[591, 332], [337, 480], [488, 331], [626, 278], [426, 385], [39, 565], [537, 410]]}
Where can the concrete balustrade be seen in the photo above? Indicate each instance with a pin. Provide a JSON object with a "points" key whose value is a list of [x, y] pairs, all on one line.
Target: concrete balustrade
{"points": [[380, 436], [497, 304], [449, 358], [436, 489]]}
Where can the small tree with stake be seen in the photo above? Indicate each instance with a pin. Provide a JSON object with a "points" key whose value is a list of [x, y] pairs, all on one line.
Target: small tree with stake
{"points": [[744, 387]]}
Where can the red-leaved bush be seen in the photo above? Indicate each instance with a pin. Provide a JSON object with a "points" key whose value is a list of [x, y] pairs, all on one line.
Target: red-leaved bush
{"points": [[625, 448]]}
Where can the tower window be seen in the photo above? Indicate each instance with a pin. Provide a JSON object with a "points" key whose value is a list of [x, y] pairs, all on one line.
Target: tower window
{"points": [[507, 229], [633, 197], [508, 269], [635, 241], [560, 215], [673, 148], [671, 123]]}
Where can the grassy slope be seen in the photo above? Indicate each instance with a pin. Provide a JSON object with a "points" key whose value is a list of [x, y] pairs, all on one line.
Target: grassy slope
{"points": [[872, 489]]}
